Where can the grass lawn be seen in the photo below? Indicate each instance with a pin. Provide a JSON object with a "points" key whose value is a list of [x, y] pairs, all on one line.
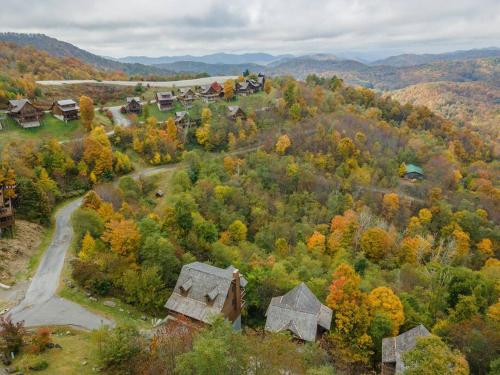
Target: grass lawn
{"points": [[161, 115], [50, 127], [77, 349]]}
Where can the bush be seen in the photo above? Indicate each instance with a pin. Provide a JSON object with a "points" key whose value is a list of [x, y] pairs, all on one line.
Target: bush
{"points": [[39, 366], [12, 335], [88, 276], [117, 348], [40, 340]]}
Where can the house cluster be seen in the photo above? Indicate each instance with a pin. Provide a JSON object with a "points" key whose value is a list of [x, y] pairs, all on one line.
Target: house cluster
{"points": [[165, 100], [27, 115], [203, 291]]}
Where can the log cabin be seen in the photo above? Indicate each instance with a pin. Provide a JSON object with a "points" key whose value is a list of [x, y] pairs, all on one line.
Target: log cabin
{"points": [[300, 312], [242, 88], [24, 113], [66, 110], [212, 92], [165, 100], [186, 97], [234, 112], [133, 105], [203, 291]]}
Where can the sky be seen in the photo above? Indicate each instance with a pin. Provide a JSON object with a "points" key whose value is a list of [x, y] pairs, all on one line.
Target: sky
{"points": [[351, 28]]}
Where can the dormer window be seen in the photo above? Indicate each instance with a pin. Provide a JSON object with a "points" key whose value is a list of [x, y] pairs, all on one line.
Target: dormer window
{"points": [[186, 285], [212, 295]]}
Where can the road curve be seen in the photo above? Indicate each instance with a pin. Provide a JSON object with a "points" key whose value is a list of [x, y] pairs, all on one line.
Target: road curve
{"points": [[41, 305]]}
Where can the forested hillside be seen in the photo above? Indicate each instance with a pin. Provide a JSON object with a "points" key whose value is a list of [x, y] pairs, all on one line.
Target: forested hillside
{"points": [[308, 188], [20, 67]]}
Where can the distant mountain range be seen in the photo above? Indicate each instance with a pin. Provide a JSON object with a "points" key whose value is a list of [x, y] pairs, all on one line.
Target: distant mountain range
{"points": [[414, 59], [216, 58]]}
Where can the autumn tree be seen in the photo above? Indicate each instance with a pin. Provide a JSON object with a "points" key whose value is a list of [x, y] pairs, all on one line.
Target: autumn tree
{"points": [[87, 112], [123, 237], [376, 243], [97, 152], [390, 205], [382, 300], [316, 242], [432, 356], [282, 144], [268, 86], [229, 89]]}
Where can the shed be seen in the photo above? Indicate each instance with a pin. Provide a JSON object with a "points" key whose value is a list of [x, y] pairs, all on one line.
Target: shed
{"points": [[413, 172]]}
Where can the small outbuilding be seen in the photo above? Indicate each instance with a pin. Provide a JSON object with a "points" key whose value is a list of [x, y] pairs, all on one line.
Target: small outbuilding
{"points": [[234, 112], [66, 110], [393, 349], [413, 172], [24, 113], [133, 105], [300, 312]]}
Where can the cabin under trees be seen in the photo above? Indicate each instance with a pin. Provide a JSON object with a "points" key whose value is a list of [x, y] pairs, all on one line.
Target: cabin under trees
{"points": [[203, 291], [24, 113], [300, 312], [393, 349], [66, 110], [234, 112]]}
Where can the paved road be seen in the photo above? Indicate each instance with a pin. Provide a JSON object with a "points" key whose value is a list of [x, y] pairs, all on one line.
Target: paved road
{"points": [[182, 83], [40, 305], [119, 117]]}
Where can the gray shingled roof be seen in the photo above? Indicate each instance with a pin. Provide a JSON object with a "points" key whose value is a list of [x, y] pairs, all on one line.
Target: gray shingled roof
{"points": [[134, 98], [298, 311], [179, 116], [18, 104], [201, 291], [65, 102], [393, 348], [234, 109], [165, 95]]}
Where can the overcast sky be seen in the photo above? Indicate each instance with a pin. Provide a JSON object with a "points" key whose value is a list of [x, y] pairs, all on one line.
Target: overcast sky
{"points": [[367, 28]]}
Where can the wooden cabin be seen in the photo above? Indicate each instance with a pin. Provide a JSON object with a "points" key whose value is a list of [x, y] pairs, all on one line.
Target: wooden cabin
{"points": [[393, 349], [186, 96], [242, 88], [66, 110], [133, 105], [182, 119], [234, 112], [24, 113], [203, 291], [253, 86], [165, 100], [212, 92], [413, 172], [299, 312], [7, 218]]}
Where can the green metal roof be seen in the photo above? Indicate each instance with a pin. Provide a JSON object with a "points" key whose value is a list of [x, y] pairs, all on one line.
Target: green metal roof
{"points": [[412, 168]]}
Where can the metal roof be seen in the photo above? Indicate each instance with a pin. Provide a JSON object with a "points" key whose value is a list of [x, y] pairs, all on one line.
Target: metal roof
{"points": [[18, 104], [412, 168], [298, 311], [133, 99], [66, 102]]}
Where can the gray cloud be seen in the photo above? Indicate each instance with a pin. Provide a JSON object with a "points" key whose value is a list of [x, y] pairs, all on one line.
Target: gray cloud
{"points": [[163, 27]]}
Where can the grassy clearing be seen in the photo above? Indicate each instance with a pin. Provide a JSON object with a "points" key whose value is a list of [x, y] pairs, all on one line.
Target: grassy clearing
{"points": [[50, 128], [77, 349], [121, 314], [161, 115]]}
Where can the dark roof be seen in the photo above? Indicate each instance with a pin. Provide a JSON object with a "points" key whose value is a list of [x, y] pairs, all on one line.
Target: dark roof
{"points": [[165, 95], [186, 90], [201, 291], [134, 99], [242, 85], [298, 311], [393, 348], [17, 105], [67, 105], [253, 83], [234, 110]]}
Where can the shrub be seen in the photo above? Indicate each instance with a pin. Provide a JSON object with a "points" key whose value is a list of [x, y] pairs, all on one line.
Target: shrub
{"points": [[39, 366], [40, 340], [12, 334]]}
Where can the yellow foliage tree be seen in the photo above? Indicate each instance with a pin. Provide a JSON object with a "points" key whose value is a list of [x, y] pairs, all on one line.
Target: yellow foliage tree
{"points": [[123, 237], [316, 242], [425, 216], [485, 247], [283, 144], [382, 300], [462, 242], [87, 112], [229, 89], [203, 134], [206, 115], [87, 250], [376, 243], [268, 86], [97, 151], [390, 205]]}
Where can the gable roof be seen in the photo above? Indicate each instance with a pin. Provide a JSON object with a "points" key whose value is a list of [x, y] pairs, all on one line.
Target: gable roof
{"points": [[393, 348], [253, 83], [66, 102], [234, 110], [298, 311], [242, 85], [201, 291], [216, 86], [166, 95], [17, 105], [186, 90], [134, 99], [412, 168], [179, 116]]}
